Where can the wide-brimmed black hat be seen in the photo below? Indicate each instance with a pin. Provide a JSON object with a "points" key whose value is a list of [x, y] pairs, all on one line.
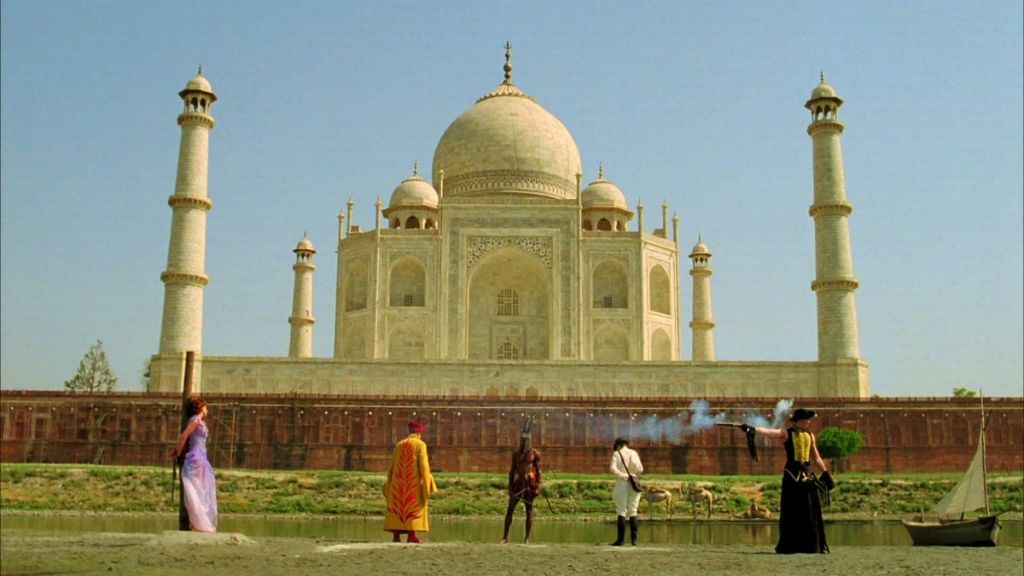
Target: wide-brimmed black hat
{"points": [[802, 414]]}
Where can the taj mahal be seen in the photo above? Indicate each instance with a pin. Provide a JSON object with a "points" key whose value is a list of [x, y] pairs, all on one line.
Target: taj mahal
{"points": [[507, 275]]}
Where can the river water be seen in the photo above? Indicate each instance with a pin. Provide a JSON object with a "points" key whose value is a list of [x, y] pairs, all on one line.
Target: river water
{"points": [[348, 529]]}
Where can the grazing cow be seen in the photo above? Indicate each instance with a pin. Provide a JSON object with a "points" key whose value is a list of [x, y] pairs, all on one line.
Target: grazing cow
{"points": [[653, 495], [697, 494]]}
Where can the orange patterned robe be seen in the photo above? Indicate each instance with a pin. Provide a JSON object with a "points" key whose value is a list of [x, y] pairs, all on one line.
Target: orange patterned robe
{"points": [[409, 486]]}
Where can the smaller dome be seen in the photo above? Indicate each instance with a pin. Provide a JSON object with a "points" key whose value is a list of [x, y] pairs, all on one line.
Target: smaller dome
{"points": [[414, 191], [700, 249], [823, 90], [199, 83], [603, 193], [304, 245]]}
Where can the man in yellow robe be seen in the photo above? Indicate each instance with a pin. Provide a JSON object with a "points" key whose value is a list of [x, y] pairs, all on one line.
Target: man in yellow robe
{"points": [[408, 487]]}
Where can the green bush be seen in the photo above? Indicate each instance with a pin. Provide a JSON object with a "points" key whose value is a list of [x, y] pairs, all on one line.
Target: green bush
{"points": [[836, 442]]}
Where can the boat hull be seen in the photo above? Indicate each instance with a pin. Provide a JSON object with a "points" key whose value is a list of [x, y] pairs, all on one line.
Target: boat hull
{"points": [[975, 532]]}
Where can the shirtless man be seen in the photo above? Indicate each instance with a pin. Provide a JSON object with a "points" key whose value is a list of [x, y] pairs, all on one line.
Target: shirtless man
{"points": [[523, 481]]}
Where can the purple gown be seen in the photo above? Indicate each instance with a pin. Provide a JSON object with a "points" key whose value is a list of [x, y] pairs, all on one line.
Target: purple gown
{"points": [[198, 483]]}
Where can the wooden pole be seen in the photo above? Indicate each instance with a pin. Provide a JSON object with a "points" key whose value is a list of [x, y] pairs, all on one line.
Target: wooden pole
{"points": [[186, 394]]}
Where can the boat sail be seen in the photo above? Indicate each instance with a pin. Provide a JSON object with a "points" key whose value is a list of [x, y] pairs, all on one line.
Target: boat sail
{"points": [[970, 494]]}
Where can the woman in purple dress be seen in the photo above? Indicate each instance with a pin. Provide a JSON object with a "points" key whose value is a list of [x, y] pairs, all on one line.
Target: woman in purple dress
{"points": [[198, 484]]}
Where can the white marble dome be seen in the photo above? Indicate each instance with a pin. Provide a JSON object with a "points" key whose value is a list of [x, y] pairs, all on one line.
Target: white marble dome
{"points": [[823, 90], [199, 83], [414, 191], [507, 143], [304, 245], [603, 193]]}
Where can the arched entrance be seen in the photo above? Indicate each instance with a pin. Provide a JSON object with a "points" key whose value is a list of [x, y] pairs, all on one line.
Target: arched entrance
{"points": [[509, 316]]}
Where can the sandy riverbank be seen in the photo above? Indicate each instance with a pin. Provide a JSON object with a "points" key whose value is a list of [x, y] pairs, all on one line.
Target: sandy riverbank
{"points": [[24, 552]]}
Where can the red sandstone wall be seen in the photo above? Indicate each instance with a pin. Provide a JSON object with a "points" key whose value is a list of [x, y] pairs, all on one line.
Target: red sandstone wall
{"points": [[901, 435]]}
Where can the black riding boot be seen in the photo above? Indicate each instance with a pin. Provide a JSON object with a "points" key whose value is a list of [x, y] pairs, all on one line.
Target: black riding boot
{"points": [[632, 530], [620, 527]]}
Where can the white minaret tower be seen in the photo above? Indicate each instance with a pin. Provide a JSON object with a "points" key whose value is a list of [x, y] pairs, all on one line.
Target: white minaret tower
{"points": [[834, 282], [181, 329], [703, 324], [301, 345]]}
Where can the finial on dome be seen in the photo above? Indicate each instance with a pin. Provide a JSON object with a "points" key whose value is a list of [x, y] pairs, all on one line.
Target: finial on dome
{"points": [[200, 73], [508, 62], [416, 168], [822, 76], [600, 171]]}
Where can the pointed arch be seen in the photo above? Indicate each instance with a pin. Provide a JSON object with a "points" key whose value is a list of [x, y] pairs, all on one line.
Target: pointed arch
{"points": [[660, 295], [661, 346], [406, 343], [509, 301], [356, 279], [611, 344], [610, 285], [407, 283]]}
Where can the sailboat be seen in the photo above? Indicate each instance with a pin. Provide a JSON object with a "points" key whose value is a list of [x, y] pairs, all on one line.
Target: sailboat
{"points": [[970, 494]]}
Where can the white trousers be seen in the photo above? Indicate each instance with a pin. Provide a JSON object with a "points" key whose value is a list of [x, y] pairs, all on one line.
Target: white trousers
{"points": [[626, 500]]}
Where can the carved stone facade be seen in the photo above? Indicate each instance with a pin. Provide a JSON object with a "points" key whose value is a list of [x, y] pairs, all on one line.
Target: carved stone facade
{"points": [[504, 275]]}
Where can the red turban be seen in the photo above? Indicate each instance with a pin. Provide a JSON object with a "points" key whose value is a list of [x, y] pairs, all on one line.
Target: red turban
{"points": [[416, 427]]}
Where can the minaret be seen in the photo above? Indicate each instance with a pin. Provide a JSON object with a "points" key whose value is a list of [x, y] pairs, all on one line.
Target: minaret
{"points": [[703, 325], [184, 279], [301, 344], [834, 282]]}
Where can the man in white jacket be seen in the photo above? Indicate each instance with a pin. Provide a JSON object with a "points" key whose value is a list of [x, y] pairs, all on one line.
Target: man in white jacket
{"points": [[625, 463]]}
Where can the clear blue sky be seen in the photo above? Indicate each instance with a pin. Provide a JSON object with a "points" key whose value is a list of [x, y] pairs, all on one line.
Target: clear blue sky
{"points": [[696, 103]]}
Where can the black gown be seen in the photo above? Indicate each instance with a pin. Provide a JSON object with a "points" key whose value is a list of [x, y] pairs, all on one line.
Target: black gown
{"points": [[801, 528]]}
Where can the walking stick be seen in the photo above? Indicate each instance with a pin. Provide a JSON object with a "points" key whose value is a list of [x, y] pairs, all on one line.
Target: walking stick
{"points": [[544, 493]]}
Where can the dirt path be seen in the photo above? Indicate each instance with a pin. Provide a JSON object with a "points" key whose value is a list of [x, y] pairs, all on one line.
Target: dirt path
{"points": [[24, 552]]}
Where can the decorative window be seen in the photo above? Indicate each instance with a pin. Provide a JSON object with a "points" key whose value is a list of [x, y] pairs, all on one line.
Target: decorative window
{"points": [[508, 351], [508, 303]]}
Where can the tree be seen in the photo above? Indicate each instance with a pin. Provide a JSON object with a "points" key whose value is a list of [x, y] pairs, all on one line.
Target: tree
{"points": [[964, 393], [94, 373], [838, 443], [147, 368]]}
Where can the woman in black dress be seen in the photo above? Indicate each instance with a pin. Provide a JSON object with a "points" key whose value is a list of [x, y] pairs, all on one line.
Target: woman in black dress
{"points": [[801, 528]]}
